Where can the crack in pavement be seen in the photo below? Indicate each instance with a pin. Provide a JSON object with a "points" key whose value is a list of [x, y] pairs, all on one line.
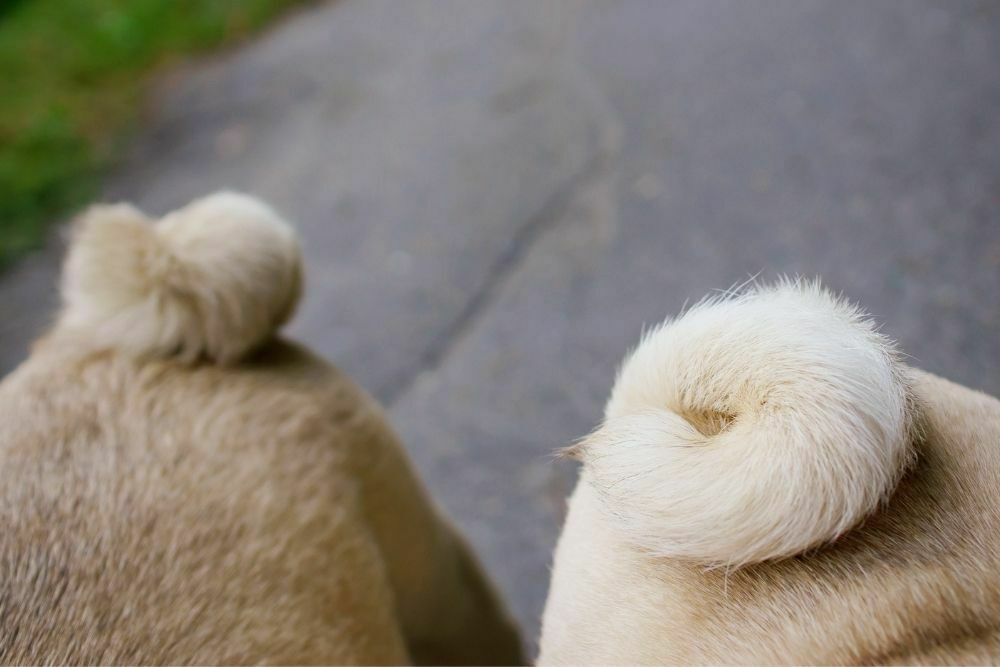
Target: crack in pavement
{"points": [[505, 265]]}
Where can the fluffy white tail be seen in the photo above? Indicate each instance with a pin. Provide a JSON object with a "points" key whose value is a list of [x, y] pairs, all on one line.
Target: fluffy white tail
{"points": [[212, 280], [753, 427]]}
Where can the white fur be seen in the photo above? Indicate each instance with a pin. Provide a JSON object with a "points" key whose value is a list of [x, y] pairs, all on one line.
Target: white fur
{"points": [[753, 427], [213, 279]]}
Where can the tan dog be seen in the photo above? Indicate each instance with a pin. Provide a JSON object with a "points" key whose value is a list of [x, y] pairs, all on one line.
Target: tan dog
{"points": [[178, 487], [771, 485]]}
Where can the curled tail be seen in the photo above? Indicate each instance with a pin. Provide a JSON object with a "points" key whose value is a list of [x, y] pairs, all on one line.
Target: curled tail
{"points": [[753, 427], [211, 280]]}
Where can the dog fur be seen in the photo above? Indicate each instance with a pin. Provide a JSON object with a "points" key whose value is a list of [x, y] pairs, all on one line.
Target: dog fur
{"points": [[772, 485], [178, 486]]}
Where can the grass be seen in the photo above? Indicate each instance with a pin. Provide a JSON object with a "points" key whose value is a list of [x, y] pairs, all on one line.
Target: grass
{"points": [[71, 83]]}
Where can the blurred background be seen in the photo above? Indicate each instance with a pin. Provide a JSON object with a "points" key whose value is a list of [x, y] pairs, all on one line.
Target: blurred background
{"points": [[496, 196]]}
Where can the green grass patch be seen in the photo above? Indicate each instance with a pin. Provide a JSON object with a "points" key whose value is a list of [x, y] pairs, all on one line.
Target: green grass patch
{"points": [[71, 81]]}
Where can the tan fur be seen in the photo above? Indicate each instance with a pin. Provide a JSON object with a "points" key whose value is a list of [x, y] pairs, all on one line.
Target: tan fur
{"points": [[211, 280], [157, 511], [917, 582], [753, 427]]}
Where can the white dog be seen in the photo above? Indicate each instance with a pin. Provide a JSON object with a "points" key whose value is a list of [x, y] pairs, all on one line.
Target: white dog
{"points": [[176, 486], [771, 484]]}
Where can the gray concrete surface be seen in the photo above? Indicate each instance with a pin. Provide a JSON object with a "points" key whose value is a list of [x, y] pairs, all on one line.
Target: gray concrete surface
{"points": [[497, 196]]}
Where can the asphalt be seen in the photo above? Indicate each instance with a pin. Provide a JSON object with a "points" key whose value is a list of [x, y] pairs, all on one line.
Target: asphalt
{"points": [[496, 197]]}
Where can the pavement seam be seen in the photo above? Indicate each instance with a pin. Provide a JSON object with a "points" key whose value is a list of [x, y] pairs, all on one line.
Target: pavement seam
{"points": [[505, 265]]}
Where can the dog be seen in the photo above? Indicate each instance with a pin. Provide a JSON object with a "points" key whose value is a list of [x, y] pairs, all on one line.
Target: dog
{"points": [[771, 484], [180, 486]]}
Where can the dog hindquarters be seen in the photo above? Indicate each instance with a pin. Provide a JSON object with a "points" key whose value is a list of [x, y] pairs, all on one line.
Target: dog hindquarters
{"points": [[449, 611]]}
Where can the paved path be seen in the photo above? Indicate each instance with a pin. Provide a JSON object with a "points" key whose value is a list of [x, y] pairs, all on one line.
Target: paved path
{"points": [[496, 196]]}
